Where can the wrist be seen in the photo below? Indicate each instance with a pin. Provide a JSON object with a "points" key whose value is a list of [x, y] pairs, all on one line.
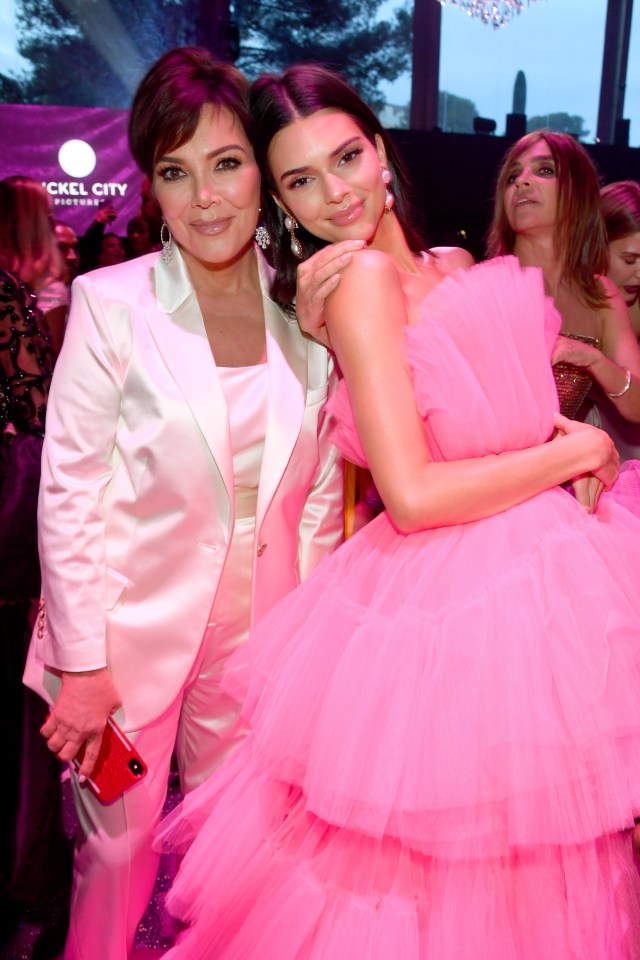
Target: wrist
{"points": [[615, 394], [72, 674]]}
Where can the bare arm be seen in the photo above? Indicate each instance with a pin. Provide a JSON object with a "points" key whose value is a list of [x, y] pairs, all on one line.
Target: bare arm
{"points": [[620, 352], [366, 317]]}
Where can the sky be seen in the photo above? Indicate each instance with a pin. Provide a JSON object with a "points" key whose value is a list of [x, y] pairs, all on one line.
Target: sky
{"points": [[558, 44]]}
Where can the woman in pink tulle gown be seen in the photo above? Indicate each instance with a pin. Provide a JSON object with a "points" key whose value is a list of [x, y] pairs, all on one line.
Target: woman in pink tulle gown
{"points": [[444, 760]]}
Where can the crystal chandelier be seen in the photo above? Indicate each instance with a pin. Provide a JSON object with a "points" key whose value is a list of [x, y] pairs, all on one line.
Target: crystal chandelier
{"points": [[496, 12]]}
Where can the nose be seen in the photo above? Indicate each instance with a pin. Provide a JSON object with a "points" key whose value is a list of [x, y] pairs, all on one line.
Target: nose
{"points": [[523, 179], [205, 193], [335, 188]]}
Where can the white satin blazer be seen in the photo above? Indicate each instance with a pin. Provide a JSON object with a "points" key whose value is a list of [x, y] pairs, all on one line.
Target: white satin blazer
{"points": [[136, 505]]}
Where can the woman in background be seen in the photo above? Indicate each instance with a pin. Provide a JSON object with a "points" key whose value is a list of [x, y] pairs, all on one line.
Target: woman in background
{"points": [[547, 212], [621, 212], [28, 248], [35, 859]]}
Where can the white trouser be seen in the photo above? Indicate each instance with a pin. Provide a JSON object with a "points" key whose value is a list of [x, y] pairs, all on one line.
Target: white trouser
{"points": [[115, 866]]}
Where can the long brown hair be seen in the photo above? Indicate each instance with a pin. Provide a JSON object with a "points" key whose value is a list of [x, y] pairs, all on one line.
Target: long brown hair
{"points": [[579, 234], [28, 245]]}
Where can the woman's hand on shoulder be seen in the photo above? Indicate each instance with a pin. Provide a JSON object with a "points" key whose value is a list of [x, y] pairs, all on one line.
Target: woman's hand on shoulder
{"points": [[317, 278], [452, 258]]}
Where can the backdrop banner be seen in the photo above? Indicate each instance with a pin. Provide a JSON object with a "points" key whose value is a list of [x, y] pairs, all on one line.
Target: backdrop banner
{"points": [[81, 155]]}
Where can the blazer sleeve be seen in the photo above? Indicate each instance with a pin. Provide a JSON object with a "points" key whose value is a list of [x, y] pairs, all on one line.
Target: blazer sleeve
{"points": [[77, 465], [322, 523]]}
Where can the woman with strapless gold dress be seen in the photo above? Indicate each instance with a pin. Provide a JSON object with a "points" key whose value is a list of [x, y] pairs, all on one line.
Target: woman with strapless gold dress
{"points": [[547, 212]]}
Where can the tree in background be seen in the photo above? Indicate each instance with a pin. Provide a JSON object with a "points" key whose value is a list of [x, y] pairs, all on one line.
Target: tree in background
{"points": [[559, 123], [95, 52], [345, 35]]}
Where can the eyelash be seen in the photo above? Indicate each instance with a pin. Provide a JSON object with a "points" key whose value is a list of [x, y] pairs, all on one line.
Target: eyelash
{"points": [[545, 171], [350, 156], [176, 173], [223, 164]]}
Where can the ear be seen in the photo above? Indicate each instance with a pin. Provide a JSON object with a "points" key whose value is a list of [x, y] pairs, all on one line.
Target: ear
{"points": [[380, 150]]}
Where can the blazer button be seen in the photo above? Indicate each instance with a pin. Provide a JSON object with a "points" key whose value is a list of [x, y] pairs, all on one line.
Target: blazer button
{"points": [[261, 549]]}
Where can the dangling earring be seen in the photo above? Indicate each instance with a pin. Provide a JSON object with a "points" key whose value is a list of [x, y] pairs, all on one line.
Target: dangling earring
{"points": [[167, 241], [296, 246], [389, 199], [262, 234]]}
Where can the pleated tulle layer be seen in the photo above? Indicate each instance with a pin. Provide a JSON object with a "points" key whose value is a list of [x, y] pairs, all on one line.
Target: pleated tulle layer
{"points": [[267, 880], [404, 691]]}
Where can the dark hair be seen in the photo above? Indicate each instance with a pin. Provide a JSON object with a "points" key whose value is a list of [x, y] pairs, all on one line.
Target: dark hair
{"points": [[621, 208], [579, 233], [275, 102], [167, 105]]}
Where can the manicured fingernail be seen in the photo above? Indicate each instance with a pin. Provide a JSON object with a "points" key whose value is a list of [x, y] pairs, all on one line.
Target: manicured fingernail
{"points": [[82, 778]]}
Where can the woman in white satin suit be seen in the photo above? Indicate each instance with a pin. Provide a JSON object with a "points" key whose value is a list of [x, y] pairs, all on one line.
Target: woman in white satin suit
{"points": [[188, 483]]}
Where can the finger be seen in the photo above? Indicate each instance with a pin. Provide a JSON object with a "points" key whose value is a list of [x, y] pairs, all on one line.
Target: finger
{"points": [[92, 749], [325, 288], [69, 750], [599, 487], [561, 423], [49, 726]]}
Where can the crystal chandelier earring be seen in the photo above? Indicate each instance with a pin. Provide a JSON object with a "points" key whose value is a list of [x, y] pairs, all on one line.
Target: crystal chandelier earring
{"points": [[389, 198], [167, 241], [262, 234], [496, 12], [296, 247]]}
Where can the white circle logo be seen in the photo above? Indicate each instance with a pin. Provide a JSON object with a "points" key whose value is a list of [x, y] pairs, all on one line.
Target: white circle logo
{"points": [[77, 158]]}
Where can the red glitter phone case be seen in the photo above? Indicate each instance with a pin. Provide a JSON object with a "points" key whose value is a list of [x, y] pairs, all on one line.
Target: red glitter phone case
{"points": [[118, 767]]}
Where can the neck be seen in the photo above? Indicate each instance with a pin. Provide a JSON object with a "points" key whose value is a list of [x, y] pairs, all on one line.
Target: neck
{"points": [[540, 252], [241, 273], [390, 239]]}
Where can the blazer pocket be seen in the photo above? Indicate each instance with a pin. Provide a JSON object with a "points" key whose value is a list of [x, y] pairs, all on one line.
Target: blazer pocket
{"points": [[116, 583]]}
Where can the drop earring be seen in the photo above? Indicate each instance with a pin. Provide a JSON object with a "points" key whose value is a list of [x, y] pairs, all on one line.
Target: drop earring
{"points": [[262, 234], [296, 247], [167, 242], [389, 198]]}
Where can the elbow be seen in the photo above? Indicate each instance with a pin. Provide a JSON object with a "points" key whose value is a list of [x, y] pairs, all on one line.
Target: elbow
{"points": [[409, 514]]}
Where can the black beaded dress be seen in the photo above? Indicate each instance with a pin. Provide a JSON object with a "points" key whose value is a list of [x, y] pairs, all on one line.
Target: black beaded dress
{"points": [[26, 366]]}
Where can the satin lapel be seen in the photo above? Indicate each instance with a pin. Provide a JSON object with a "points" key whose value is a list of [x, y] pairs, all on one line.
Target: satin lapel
{"points": [[182, 341], [287, 359]]}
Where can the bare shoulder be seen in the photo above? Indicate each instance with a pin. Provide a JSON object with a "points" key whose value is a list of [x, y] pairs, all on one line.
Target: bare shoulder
{"points": [[616, 310], [452, 258], [369, 273]]}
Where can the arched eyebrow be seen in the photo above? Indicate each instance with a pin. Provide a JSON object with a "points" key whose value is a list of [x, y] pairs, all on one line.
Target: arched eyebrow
{"points": [[210, 156]]}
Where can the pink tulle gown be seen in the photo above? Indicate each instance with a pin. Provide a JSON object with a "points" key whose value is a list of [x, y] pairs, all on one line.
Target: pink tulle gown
{"points": [[444, 761]]}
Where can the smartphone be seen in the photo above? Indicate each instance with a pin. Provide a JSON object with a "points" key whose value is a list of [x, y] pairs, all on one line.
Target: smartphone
{"points": [[119, 765]]}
